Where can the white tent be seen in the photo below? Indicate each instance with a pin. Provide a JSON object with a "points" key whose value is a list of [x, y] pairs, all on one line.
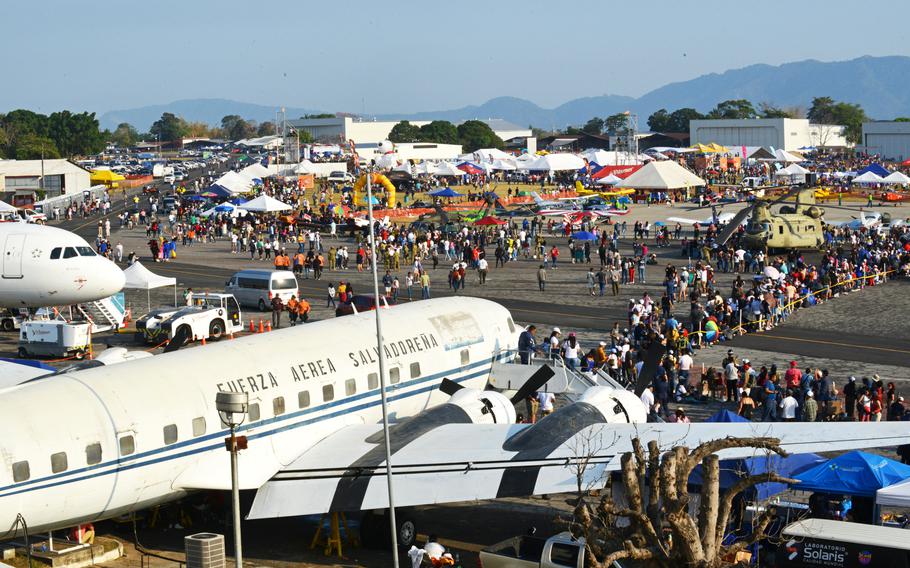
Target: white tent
{"points": [[611, 158], [447, 169], [234, 182], [504, 164], [232, 210], [897, 495], [556, 162], [611, 179], [306, 167], [896, 178], [138, 277], [490, 154], [405, 167], [254, 171], [662, 176], [793, 170], [264, 204], [868, 177], [6, 207]]}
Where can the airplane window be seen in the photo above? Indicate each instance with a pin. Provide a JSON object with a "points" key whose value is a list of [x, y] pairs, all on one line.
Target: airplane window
{"points": [[93, 453], [278, 405], [69, 252], [86, 251], [58, 462], [350, 387], [55, 253], [127, 445], [372, 381], [415, 370], [21, 471], [303, 399], [254, 412], [170, 434], [328, 392], [199, 426], [465, 357], [394, 375]]}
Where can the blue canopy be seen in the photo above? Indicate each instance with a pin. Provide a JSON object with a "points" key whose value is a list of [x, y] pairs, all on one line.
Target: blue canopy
{"points": [[876, 169], [196, 198], [238, 201], [445, 192], [224, 208], [584, 236], [732, 471], [219, 190], [726, 416], [853, 473]]}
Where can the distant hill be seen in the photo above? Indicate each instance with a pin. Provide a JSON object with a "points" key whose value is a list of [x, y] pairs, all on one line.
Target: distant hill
{"points": [[210, 111], [880, 84]]}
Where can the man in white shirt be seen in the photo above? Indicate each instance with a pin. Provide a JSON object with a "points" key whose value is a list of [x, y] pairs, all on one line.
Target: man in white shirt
{"points": [[685, 365], [647, 398], [546, 400], [788, 407]]}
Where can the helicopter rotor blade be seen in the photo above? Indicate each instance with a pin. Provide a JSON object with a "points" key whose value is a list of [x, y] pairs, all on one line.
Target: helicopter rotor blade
{"points": [[724, 235]]}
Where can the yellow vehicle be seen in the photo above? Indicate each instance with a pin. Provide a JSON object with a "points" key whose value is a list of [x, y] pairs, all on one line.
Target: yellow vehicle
{"points": [[795, 225]]}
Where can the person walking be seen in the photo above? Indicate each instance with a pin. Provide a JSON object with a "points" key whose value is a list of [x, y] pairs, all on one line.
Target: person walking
{"points": [[330, 297], [615, 276], [425, 285], [542, 278], [591, 280], [277, 308]]}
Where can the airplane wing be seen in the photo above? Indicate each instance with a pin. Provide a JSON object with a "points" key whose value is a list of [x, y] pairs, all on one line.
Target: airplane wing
{"points": [[684, 220], [464, 462]]}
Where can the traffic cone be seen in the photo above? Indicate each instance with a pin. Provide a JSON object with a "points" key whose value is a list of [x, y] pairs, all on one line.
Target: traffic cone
{"points": [[252, 326], [268, 325], [203, 340], [261, 327]]}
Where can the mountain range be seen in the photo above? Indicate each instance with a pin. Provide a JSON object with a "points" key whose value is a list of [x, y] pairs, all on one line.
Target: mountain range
{"points": [[880, 84]]}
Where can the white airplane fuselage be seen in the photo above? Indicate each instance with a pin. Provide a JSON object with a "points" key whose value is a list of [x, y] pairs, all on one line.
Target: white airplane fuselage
{"points": [[101, 442], [46, 266]]}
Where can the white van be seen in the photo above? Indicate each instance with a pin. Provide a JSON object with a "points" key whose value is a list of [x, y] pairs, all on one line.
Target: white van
{"points": [[256, 288]]}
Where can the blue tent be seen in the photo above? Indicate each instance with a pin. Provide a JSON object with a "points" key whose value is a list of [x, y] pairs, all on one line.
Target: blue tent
{"points": [[224, 208], [726, 416], [220, 190], [445, 192], [876, 169], [854, 473], [732, 471], [584, 236], [238, 201]]}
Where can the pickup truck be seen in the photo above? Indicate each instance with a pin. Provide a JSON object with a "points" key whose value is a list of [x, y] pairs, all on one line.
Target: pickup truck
{"points": [[558, 551]]}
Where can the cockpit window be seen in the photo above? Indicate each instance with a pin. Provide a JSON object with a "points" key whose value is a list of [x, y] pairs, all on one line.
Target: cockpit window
{"points": [[85, 251], [69, 252], [55, 253]]}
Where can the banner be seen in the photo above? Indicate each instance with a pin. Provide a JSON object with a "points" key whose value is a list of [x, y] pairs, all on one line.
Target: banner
{"points": [[618, 171], [306, 181]]}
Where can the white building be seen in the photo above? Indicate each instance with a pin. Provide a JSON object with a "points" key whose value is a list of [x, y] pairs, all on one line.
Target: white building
{"points": [[891, 140], [779, 133], [339, 130], [413, 151], [20, 180]]}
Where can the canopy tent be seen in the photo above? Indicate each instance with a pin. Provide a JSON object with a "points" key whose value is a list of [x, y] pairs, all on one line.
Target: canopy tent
{"points": [[783, 156], [405, 167], [264, 204], [105, 177], [234, 182], [610, 179], [897, 178], [6, 207], [876, 169], [584, 236], [556, 163], [444, 192], [732, 471], [254, 171], [490, 154], [219, 190], [725, 416], [868, 177], [853, 473], [306, 167], [897, 495], [793, 170], [506, 164], [663, 176], [224, 208], [138, 277], [470, 168], [447, 169], [711, 148]]}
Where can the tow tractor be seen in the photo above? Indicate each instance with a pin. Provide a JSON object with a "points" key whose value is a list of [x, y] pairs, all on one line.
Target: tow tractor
{"points": [[211, 317]]}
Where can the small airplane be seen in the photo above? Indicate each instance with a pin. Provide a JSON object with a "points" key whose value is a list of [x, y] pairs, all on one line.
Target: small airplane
{"points": [[715, 219], [865, 221], [95, 443], [47, 266]]}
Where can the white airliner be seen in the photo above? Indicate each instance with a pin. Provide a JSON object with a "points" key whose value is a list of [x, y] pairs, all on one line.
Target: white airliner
{"points": [[720, 219], [47, 266], [95, 443]]}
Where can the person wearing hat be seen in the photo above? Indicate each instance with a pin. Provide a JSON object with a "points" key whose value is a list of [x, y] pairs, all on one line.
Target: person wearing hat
{"points": [[896, 410], [553, 343], [600, 355], [850, 398], [809, 408]]}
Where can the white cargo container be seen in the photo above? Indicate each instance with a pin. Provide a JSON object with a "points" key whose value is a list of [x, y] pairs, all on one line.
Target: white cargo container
{"points": [[53, 338]]}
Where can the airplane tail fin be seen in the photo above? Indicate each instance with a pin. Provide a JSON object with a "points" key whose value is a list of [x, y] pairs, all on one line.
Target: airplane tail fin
{"points": [[536, 197]]}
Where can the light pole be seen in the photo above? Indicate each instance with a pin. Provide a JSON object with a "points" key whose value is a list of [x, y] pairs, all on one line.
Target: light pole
{"points": [[232, 408]]}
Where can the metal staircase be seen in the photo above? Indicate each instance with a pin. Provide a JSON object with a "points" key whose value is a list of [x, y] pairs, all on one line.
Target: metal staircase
{"points": [[103, 315]]}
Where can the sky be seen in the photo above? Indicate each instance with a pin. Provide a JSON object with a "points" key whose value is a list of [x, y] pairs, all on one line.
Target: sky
{"points": [[409, 55]]}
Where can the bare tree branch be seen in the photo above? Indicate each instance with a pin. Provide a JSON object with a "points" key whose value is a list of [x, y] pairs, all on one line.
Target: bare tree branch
{"points": [[726, 502]]}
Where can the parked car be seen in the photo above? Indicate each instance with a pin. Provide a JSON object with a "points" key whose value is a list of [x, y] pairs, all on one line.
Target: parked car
{"points": [[558, 551], [256, 288], [341, 177]]}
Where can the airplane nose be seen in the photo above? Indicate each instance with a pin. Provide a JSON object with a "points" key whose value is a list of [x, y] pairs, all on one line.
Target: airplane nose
{"points": [[112, 278]]}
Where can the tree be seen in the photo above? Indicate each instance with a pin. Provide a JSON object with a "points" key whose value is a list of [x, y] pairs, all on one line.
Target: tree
{"points": [[318, 115], [267, 128], [767, 110], [439, 131], [474, 134], [33, 147], [659, 121], [169, 127], [125, 135], [734, 108], [236, 128], [678, 121], [617, 123], [404, 131], [593, 126], [75, 134], [825, 110], [198, 130], [902, 119], [660, 530]]}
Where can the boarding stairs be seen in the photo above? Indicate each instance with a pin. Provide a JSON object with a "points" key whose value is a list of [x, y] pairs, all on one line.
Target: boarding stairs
{"points": [[103, 315], [566, 382]]}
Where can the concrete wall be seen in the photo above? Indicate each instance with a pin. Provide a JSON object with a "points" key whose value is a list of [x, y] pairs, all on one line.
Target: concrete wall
{"points": [[889, 139]]}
